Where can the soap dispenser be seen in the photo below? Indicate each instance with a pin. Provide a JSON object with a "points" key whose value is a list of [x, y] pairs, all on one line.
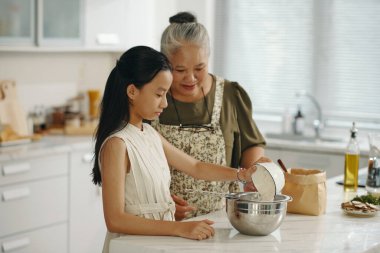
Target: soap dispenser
{"points": [[351, 164], [299, 122], [287, 119]]}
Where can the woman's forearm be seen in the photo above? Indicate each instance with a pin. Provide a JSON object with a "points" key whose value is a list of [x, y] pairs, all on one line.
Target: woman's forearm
{"points": [[250, 156]]}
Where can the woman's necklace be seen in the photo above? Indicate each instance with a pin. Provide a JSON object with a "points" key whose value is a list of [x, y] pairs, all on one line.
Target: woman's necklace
{"points": [[192, 125]]}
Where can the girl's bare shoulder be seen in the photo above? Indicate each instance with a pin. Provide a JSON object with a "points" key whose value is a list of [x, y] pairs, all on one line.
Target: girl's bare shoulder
{"points": [[114, 144]]}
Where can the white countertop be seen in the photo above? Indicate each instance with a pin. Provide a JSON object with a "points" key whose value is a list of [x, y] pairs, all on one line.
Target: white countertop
{"points": [[47, 145], [60, 143], [331, 232]]}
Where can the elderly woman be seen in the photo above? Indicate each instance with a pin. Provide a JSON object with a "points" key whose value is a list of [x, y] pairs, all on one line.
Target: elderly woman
{"points": [[208, 117]]}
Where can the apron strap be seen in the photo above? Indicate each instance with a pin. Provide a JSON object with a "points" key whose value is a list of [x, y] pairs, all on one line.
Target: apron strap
{"points": [[219, 89]]}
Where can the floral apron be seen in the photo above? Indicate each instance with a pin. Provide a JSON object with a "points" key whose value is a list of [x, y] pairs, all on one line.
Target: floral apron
{"points": [[206, 146]]}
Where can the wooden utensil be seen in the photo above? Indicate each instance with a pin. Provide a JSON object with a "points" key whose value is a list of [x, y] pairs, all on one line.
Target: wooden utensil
{"points": [[282, 165]]}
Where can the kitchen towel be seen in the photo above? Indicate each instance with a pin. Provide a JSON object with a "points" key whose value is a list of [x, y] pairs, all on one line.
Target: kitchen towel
{"points": [[307, 187], [11, 112]]}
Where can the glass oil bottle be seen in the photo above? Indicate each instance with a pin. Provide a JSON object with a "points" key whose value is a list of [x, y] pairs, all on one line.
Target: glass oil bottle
{"points": [[351, 164]]}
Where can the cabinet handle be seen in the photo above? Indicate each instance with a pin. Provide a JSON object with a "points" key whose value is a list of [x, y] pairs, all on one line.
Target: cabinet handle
{"points": [[15, 169], [16, 194], [15, 244], [87, 158]]}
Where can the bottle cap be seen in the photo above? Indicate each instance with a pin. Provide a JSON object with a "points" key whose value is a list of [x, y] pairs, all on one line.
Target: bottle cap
{"points": [[353, 130]]}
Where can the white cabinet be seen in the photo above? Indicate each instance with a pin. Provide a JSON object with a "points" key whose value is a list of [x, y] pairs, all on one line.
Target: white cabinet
{"points": [[121, 24], [17, 22], [48, 202], [60, 22], [41, 23], [47, 239], [87, 229], [34, 201], [333, 164]]}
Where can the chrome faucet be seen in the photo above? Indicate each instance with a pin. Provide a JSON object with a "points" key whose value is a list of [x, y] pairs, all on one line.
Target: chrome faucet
{"points": [[317, 123]]}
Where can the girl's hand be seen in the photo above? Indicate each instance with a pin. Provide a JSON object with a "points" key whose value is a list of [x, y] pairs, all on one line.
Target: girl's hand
{"points": [[249, 186], [196, 230], [246, 174]]}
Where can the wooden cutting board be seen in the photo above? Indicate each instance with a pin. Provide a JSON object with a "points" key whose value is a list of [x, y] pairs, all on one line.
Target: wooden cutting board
{"points": [[11, 112]]}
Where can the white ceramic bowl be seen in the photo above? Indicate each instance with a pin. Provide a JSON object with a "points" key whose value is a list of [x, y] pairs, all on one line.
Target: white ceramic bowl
{"points": [[269, 180]]}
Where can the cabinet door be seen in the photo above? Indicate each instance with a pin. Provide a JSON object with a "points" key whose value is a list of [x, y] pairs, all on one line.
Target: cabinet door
{"points": [[46, 239], [60, 22], [32, 205], [17, 22], [86, 221]]}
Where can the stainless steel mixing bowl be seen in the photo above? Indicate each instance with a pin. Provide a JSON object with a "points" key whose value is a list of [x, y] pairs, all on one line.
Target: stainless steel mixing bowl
{"points": [[251, 216]]}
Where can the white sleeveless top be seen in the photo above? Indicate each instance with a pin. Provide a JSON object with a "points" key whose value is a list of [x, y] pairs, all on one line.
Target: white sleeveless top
{"points": [[147, 184]]}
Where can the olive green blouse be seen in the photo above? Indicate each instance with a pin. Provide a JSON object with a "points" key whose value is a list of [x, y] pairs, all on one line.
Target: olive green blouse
{"points": [[239, 129]]}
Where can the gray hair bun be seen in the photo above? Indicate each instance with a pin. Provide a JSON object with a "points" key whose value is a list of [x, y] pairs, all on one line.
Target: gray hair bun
{"points": [[183, 17]]}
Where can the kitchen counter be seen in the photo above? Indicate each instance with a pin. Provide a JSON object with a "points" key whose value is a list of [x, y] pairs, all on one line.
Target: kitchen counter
{"points": [[59, 143], [326, 147], [331, 232], [46, 146]]}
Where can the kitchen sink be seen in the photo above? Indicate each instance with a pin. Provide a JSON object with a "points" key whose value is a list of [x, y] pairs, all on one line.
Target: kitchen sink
{"points": [[293, 137]]}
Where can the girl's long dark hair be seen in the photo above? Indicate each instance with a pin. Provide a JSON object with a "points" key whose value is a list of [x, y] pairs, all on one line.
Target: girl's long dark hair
{"points": [[138, 66]]}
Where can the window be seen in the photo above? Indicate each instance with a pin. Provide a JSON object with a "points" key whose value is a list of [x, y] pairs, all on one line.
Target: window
{"points": [[330, 48]]}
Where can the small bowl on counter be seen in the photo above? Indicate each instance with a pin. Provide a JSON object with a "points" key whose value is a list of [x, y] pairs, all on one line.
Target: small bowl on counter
{"points": [[251, 216]]}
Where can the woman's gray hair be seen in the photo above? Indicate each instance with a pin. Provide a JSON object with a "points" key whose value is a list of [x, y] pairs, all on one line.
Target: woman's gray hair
{"points": [[179, 33]]}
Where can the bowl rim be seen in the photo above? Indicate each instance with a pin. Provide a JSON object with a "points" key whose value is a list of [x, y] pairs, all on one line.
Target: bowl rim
{"points": [[237, 195]]}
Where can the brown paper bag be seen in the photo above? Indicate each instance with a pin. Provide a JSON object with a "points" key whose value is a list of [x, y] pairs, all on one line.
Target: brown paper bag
{"points": [[307, 187], [11, 112]]}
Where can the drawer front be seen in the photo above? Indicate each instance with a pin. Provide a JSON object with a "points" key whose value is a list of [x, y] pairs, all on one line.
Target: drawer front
{"points": [[50, 239], [33, 205], [17, 171]]}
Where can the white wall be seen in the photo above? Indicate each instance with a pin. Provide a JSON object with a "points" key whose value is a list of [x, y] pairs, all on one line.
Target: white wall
{"points": [[52, 78]]}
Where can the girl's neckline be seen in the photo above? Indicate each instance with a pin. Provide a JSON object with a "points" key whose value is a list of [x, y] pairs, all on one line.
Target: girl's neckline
{"points": [[138, 129]]}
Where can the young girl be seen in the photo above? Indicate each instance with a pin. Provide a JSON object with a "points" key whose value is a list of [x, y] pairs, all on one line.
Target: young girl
{"points": [[132, 160]]}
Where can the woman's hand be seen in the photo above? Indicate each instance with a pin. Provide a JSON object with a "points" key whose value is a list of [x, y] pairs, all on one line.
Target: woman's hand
{"points": [[196, 230], [246, 174], [182, 208]]}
